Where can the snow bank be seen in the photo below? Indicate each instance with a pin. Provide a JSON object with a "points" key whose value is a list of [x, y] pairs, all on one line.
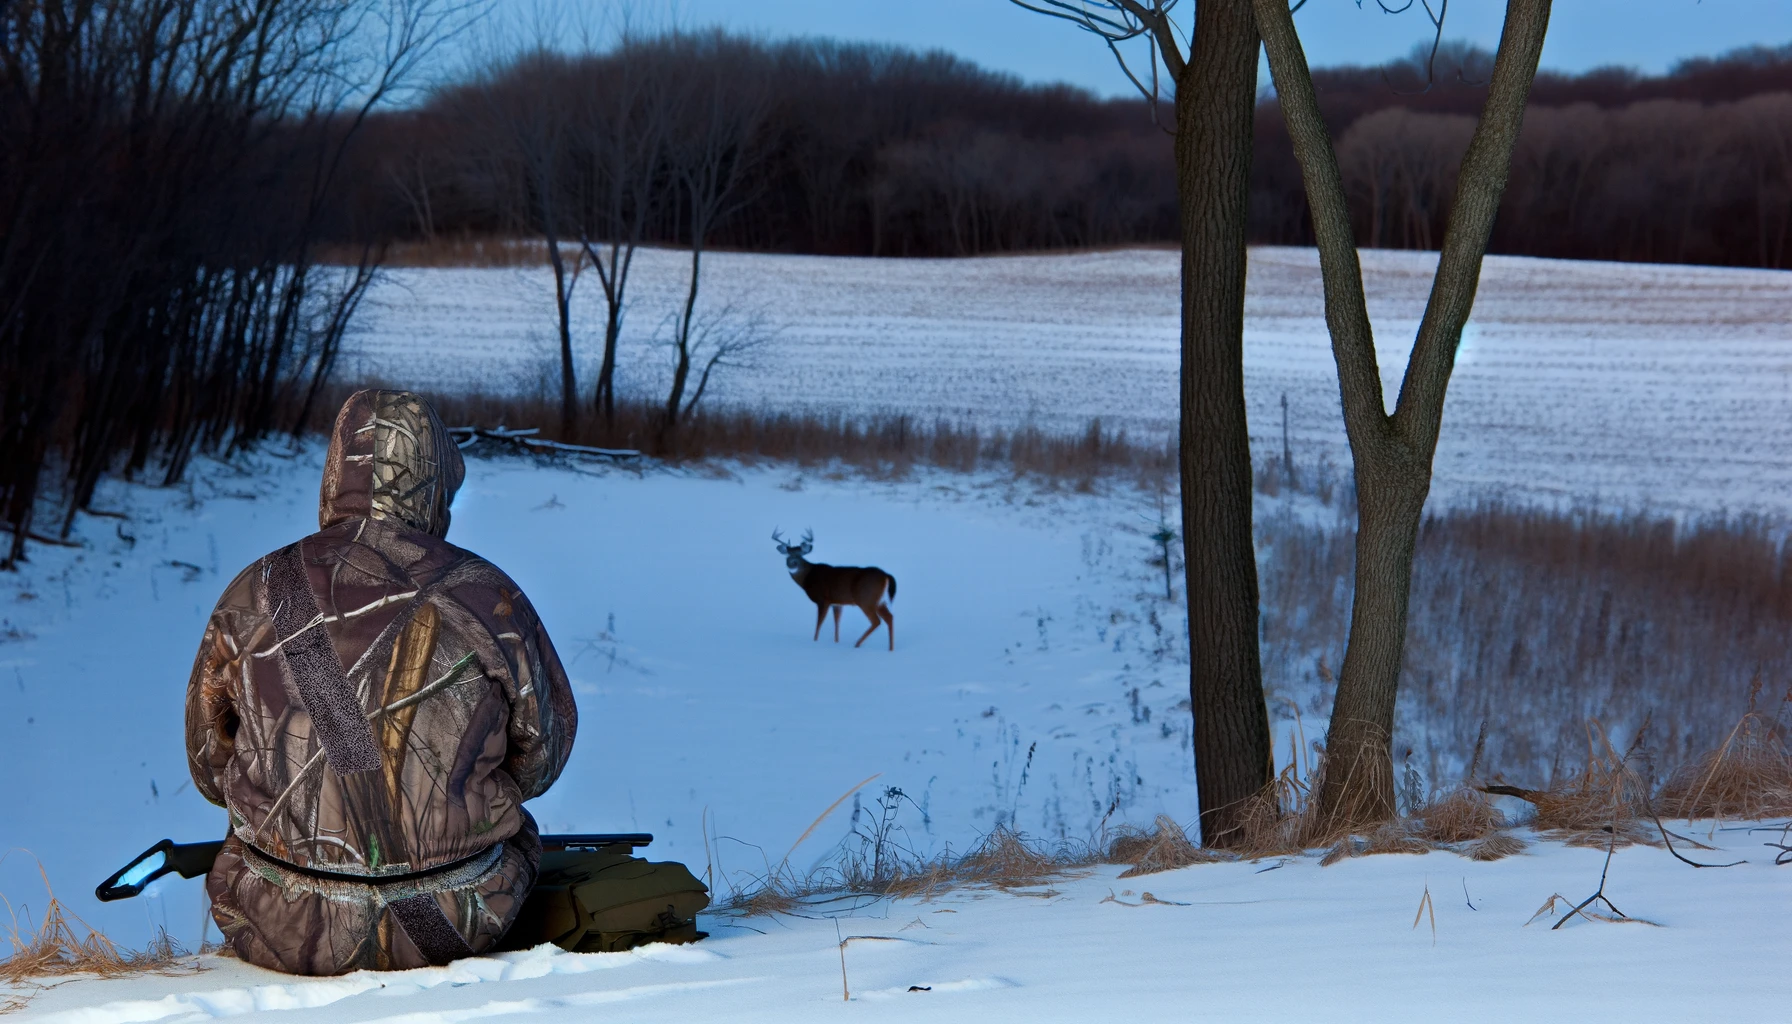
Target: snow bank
{"points": [[1274, 941]]}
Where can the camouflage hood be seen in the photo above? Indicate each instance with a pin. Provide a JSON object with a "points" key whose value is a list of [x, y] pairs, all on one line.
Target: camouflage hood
{"points": [[390, 459]]}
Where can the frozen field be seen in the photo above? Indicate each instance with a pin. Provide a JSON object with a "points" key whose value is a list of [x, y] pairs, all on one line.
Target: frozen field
{"points": [[1037, 681], [1660, 386]]}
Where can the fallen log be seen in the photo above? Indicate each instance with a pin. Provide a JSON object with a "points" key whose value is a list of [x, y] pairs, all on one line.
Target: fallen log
{"points": [[524, 439]]}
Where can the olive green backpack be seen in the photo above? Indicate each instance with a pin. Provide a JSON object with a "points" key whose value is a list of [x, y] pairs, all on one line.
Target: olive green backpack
{"points": [[604, 900]]}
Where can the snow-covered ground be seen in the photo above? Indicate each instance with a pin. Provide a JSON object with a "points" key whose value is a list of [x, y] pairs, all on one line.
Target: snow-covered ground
{"points": [[1665, 386], [1038, 680], [1038, 676], [1230, 942]]}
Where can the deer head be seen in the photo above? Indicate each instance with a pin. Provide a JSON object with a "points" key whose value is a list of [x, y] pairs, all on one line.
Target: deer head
{"points": [[793, 553]]}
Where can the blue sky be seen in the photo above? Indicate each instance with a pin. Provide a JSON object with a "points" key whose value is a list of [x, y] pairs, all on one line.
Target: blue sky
{"points": [[1646, 34]]}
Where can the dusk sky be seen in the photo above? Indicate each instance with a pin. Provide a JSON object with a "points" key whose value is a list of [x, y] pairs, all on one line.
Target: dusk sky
{"points": [[1646, 34]]}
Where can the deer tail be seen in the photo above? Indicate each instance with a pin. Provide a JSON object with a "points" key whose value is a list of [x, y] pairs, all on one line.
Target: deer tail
{"points": [[892, 580]]}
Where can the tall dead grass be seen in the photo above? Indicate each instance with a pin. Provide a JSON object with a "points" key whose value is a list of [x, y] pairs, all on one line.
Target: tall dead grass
{"points": [[882, 445], [59, 944], [1604, 802], [1748, 776], [1535, 622]]}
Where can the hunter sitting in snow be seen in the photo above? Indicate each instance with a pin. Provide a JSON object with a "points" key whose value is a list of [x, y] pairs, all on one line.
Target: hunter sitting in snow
{"points": [[373, 705]]}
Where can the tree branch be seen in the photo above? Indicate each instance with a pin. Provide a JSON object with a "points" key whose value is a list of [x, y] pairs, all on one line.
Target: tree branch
{"points": [[1117, 21]]}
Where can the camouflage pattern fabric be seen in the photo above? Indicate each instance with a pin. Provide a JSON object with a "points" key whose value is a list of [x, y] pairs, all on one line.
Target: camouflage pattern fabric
{"points": [[373, 705]]}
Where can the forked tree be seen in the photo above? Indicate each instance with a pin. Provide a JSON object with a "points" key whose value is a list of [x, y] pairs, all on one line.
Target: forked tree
{"points": [[720, 106], [1392, 453], [522, 106], [1213, 86], [625, 104]]}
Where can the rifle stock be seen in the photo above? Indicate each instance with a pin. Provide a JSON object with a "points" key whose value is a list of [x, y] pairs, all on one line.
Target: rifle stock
{"points": [[191, 860]]}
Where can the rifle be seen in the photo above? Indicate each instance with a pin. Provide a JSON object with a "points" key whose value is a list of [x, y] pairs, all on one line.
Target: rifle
{"points": [[191, 860]]}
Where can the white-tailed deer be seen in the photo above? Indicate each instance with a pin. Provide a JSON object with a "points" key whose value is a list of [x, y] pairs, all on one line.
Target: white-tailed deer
{"points": [[835, 586]]}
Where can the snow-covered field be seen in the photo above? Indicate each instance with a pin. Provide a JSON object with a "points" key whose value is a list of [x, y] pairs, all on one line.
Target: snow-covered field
{"points": [[1036, 679], [1039, 676], [1661, 386]]}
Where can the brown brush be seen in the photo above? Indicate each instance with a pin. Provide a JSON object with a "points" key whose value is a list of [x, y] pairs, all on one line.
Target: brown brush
{"points": [[1165, 847], [1749, 776]]}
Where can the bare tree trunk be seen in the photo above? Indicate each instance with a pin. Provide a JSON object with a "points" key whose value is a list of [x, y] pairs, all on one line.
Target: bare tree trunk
{"points": [[564, 281], [1392, 454], [681, 359], [1215, 105]]}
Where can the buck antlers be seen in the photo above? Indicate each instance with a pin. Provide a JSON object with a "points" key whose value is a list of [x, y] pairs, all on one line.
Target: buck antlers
{"points": [[807, 545], [835, 586]]}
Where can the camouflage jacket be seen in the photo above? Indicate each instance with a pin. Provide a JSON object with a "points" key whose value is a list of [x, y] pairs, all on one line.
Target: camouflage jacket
{"points": [[372, 705]]}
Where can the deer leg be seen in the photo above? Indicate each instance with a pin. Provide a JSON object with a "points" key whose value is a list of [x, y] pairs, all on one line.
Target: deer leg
{"points": [[836, 623], [870, 613], [821, 614], [890, 622]]}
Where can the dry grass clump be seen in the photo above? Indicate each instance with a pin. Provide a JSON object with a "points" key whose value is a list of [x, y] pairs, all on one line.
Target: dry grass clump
{"points": [[773, 895], [1396, 836], [1165, 847], [61, 945], [1279, 821], [1463, 821], [1748, 776], [1606, 803], [1493, 847], [1005, 860], [1461, 816]]}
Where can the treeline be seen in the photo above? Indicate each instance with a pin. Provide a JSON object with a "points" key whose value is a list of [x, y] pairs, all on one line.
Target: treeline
{"points": [[852, 149], [167, 174], [871, 150], [1690, 167]]}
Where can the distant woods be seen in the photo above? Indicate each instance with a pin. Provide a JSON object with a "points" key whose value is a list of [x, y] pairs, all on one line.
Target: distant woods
{"points": [[867, 150], [838, 149]]}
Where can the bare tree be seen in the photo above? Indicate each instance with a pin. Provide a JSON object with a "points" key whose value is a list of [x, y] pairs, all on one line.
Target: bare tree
{"points": [[523, 110], [721, 339], [713, 153], [1214, 84], [1392, 453], [625, 107]]}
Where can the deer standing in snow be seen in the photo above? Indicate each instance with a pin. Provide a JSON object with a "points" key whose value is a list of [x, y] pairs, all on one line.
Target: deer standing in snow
{"points": [[835, 586]]}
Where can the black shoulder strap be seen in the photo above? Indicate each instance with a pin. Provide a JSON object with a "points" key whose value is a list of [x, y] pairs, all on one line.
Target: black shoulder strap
{"points": [[430, 930], [316, 672]]}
